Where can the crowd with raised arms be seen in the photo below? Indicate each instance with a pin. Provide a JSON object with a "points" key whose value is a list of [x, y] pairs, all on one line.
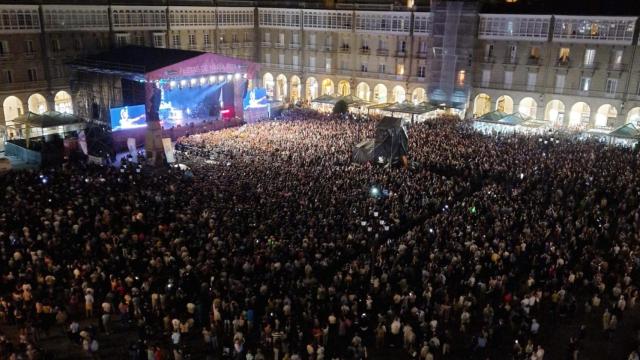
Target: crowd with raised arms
{"points": [[274, 245]]}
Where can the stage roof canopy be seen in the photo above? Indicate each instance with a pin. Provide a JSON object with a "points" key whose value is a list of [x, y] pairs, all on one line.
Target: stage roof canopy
{"points": [[148, 63]]}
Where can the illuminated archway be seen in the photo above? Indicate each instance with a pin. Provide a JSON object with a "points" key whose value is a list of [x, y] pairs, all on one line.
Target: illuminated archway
{"points": [[380, 94], [363, 91], [399, 94], [63, 102], [579, 116], [528, 106], [296, 86], [281, 87], [268, 83], [13, 108], [311, 88], [37, 104], [419, 95], [481, 104], [554, 112], [633, 117], [505, 104], [344, 88], [327, 87], [606, 116]]}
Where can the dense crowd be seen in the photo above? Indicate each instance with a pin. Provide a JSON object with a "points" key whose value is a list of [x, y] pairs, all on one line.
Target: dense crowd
{"points": [[274, 245]]}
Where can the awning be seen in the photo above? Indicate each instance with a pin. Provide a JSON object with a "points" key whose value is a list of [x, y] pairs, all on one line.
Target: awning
{"points": [[626, 131], [514, 119], [326, 99], [47, 120], [493, 116], [352, 100], [406, 107]]}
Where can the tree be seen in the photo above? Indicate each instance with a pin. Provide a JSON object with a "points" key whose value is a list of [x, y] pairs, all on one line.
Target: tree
{"points": [[340, 107]]}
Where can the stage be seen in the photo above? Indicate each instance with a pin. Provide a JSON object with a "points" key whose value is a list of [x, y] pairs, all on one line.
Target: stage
{"points": [[142, 92]]}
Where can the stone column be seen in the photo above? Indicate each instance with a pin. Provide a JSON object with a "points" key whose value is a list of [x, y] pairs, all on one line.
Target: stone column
{"points": [[51, 102]]}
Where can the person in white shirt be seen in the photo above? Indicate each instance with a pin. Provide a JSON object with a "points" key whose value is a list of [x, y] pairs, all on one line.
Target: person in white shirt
{"points": [[88, 304], [535, 327]]}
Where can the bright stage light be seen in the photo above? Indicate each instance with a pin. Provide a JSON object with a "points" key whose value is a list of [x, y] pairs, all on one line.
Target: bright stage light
{"points": [[212, 79], [237, 76], [244, 75], [203, 81], [220, 78], [375, 191], [183, 82], [172, 84], [193, 81], [229, 77]]}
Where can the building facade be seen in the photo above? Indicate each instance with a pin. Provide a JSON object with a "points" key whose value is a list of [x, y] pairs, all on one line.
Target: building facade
{"points": [[575, 72]]}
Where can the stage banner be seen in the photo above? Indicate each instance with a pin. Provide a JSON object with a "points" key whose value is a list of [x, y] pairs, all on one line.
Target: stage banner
{"points": [[133, 150], [168, 150], [82, 140]]}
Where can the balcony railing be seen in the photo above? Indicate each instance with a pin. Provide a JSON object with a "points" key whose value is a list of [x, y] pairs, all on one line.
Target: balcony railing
{"points": [[235, 45], [489, 59], [329, 48], [534, 61], [5, 57], [510, 60], [247, 44], [294, 46], [365, 51], [223, 45], [563, 62], [591, 65], [421, 54], [318, 70], [310, 46], [617, 67], [279, 45], [344, 49], [401, 53], [16, 86], [288, 67], [265, 43], [382, 52], [500, 85], [30, 55]]}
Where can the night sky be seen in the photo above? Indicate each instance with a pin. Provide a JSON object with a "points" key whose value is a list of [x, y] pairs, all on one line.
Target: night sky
{"points": [[573, 7]]}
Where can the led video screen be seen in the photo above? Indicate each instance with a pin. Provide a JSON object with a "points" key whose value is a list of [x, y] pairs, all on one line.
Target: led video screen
{"points": [[128, 117], [182, 106]]}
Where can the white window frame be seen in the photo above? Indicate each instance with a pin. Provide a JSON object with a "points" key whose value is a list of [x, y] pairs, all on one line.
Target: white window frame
{"points": [[611, 86]]}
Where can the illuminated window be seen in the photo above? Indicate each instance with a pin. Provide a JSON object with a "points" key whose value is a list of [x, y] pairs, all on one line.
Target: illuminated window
{"points": [[534, 53], [585, 83], [461, 76], [400, 69], [564, 55]]}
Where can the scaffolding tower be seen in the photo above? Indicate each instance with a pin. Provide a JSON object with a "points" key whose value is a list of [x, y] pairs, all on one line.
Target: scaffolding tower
{"points": [[450, 61]]}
